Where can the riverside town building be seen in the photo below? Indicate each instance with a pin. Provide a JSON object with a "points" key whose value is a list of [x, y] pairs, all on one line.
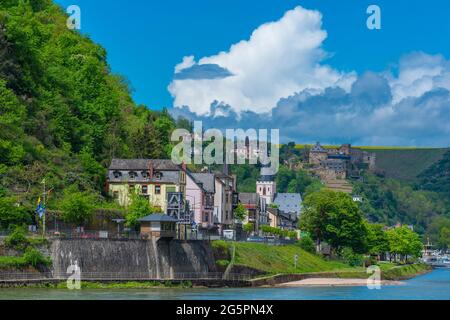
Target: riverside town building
{"points": [[201, 203]]}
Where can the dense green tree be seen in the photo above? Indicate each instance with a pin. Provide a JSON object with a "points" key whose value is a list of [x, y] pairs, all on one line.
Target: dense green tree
{"points": [[63, 114], [246, 176], [437, 177], [377, 239], [296, 181], [437, 232], [240, 213], [77, 207], [139, 207], [404, 242], [13, 213], [335, 218], [444, 237], [390, 202]]}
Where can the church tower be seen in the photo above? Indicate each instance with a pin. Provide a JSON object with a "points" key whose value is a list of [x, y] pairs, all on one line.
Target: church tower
{"points": [[266, 186]]}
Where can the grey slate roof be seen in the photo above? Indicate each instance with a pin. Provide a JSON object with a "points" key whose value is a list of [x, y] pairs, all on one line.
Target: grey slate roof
{"points": [[289, 202], [206, 180], [168, 170], [318, 148], [142, 164], [249, 198], [158, 218]]}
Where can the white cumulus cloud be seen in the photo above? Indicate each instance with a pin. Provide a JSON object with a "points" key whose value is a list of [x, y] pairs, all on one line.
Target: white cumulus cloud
{"points": [[187, 62], [280, 59], [419, 73]]}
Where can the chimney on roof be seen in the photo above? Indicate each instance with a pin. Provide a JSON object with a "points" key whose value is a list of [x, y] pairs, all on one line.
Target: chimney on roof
{"points": [[150, 170], [183, 166]]}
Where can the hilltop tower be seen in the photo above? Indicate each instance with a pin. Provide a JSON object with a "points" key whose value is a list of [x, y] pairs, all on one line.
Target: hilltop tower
{"points": [[266, 186]]}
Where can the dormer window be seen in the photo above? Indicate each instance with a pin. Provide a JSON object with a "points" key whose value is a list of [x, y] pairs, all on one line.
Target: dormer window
{"points": [[145, 174], [132, 175], [117, 174], [158, 175]]}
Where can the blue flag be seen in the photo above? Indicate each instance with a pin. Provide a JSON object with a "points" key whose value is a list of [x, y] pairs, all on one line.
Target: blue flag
{"points": [[40, 210]]}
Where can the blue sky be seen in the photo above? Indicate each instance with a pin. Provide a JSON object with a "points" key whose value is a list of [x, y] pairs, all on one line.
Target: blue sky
{"points": [[145, 40]]}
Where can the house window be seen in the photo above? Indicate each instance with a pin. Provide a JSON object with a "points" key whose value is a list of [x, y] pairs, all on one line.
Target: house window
{"points": [[144, 189], [116, 194], [206, 217], [157, 189], [158, 175], [145, 174], [117, 174], [132, 175], [131, 188]]}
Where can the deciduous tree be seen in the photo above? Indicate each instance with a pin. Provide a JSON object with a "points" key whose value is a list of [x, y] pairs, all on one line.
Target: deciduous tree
{"points": [[335, 218]]}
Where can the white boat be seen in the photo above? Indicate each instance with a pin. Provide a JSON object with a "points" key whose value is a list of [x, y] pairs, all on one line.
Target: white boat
{"points": [[434, 258]]}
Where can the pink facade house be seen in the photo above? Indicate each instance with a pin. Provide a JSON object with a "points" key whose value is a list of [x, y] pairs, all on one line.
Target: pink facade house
{"points": [[200, 190]]}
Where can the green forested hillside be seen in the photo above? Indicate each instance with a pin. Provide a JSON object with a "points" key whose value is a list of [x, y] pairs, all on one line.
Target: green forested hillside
{"points": [[437, 177], [63, 114]]}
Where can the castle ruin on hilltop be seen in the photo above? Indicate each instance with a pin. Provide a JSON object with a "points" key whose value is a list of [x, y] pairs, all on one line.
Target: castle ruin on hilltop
{"points": [[340, 163]]}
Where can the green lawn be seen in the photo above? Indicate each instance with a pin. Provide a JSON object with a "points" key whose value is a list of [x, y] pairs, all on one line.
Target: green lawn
{"points": [[405, 271], [280, 259]]}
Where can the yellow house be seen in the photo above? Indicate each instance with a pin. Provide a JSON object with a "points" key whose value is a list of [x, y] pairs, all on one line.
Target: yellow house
{"points": [[151, 178]]}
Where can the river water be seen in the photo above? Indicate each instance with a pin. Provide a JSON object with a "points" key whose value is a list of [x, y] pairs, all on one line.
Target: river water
{"points": [[432, 286]]}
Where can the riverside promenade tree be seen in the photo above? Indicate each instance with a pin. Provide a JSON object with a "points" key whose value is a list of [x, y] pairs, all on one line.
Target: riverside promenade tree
{"points": [[404, 242], [335, 218], [377, 240]]}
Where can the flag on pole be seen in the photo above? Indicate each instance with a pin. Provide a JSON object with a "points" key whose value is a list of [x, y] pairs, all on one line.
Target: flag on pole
{"points": [[40, 210]]}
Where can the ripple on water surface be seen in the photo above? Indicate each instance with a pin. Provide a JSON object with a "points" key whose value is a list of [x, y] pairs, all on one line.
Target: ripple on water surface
{"points": [[433, 286]]}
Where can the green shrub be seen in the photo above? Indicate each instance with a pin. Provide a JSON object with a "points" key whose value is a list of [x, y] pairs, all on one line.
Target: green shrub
{"points": [[221, 250], [370, 261], [307, 244], [222, 263], [17, 239], [39, 241], [35, 258], [292, 235], [351, 258], [249, 227], [275, 231], [7, 262]]}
